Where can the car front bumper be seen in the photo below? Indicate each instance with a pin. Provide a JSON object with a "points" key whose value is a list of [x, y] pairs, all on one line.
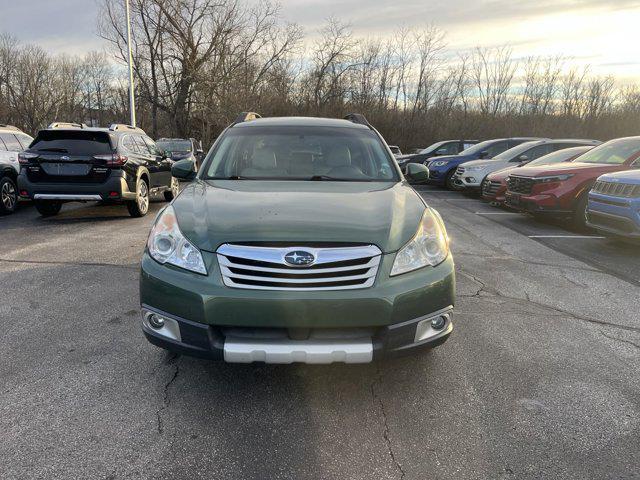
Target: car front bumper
{"points": [[352, 326], [614, 215], [541, 204]]}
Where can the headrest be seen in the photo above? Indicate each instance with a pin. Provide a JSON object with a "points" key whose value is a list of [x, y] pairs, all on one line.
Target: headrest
{"points": [[339, 156], [264, 159]]}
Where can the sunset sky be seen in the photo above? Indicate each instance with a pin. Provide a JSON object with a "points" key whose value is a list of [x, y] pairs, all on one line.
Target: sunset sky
{"points": [[603, 34]]}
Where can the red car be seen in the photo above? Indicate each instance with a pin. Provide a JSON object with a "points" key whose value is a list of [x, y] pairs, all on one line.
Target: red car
{"points": [[495, 185], [562, 189]]}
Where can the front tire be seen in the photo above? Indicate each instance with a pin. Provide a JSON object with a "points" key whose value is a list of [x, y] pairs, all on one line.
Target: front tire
{"points": [[449, 180], [579, 220], [173, 192], [8, 196], [48, 209], [140, 206]]}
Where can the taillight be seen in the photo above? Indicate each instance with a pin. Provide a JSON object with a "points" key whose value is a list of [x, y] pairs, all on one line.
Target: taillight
{"points": [[24, 158], [113, 160]]}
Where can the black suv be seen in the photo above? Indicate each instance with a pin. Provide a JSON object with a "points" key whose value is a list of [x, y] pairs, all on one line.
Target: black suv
{"points": [[445, 147], [73, 162], [181, 148]]}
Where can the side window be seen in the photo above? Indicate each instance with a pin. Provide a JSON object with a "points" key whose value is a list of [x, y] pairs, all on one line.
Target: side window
{"points": [[496, 149], [142, 147], [467, 145], [538, 151], [129, 144], [25, 140], [11, 142], [450, 148], [3, 148], [151, 146]]}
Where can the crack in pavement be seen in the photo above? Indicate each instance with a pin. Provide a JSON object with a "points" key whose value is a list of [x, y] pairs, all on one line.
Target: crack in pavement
{"points": [[385, 432], [75, 264], [620, 339], [165, 393], [483, 289]]}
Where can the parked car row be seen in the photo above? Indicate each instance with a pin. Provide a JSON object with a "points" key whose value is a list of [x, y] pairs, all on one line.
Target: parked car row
{"points": [[587, 182], [73, 162]]}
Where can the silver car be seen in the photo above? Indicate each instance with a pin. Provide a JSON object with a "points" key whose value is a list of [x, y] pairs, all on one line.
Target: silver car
{"points": [[470, 175], [12, 142]]}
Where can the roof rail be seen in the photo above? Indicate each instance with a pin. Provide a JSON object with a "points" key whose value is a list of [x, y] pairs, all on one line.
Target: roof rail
{"points": [[120, 127], [357, 118], [245, 117], [55, 125], [9, 127]]}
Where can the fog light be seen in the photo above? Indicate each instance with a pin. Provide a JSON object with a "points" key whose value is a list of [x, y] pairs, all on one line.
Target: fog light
{"points": [[155, 321], [438, 323]]}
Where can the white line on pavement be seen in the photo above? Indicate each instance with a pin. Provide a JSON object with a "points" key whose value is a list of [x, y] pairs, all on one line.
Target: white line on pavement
{"points": [[496, 213], [566, 236]]}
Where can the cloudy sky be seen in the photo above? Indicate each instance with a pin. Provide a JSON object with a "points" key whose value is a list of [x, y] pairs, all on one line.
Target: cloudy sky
{"points": [[604, 34]]}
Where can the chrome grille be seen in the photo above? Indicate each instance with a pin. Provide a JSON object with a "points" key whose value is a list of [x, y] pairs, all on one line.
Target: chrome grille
{"points": [[522, 185], [617, 189], [490, 187], [265, 268]]}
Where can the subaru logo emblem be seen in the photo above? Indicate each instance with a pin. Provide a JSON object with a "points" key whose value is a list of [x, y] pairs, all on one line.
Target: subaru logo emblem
{"points": [[299, 258]]}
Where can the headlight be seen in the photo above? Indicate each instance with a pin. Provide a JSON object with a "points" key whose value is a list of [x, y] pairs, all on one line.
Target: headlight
{"points": [[438, 163], [166, 244], [429, 246], [554, 178]]}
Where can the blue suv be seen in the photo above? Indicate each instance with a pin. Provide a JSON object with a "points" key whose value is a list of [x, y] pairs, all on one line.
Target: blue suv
{"points": [[442, 169], [614, 204]]}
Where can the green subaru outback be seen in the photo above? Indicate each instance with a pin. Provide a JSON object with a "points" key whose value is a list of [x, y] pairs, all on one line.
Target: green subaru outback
{"points": [[299, 240]]}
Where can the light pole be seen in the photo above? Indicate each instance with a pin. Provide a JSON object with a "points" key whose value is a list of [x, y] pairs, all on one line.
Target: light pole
{"points": [[132, 100]]}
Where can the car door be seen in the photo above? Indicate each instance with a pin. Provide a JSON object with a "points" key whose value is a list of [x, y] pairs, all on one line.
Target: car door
{"points": [[147, 159], [164, 162]]}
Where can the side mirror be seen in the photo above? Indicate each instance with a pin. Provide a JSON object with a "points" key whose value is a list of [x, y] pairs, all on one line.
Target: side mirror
{"points": [[523, 158], [417, 173], [184, 170], [442, 151]]}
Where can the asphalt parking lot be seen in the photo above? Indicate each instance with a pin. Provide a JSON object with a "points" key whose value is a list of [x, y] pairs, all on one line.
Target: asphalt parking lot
{"points": [[539, 380]]}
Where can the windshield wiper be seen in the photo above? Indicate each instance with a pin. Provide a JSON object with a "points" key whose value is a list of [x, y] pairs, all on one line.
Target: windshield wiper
{"points": [[320, 178], [232, 177], [53, 149]]}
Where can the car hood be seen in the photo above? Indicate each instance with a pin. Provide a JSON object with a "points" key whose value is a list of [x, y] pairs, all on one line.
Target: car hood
{"points": [[485, 163], [569, 167], [631, 177], [179, 155], [214, 212], [501, 175]]}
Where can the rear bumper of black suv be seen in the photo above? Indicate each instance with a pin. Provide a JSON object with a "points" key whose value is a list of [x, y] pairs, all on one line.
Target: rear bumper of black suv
{"points": [[114, 188]]}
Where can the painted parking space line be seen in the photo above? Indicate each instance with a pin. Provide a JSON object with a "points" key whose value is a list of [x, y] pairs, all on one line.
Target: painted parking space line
{"points": [[496, 213], [567, 236]]}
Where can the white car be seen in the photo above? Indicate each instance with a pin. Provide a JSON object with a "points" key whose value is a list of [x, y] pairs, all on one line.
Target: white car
{"points": [[12, 142], [470, 175]]}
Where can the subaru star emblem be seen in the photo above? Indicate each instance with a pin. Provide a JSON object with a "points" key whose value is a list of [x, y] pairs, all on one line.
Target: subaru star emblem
{"points": [[299, 258]]}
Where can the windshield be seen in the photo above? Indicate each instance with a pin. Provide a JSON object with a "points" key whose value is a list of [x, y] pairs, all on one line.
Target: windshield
{"points": [[301, 153], [175, 145], [73, 142], [514, 152], [478, 147], [615, 152], [560, 156], [433, 148]]}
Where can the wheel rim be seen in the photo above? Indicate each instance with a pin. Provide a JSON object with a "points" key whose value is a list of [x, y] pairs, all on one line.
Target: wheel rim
{"points": [[175, 186], [8, 195], [143, 197]]}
